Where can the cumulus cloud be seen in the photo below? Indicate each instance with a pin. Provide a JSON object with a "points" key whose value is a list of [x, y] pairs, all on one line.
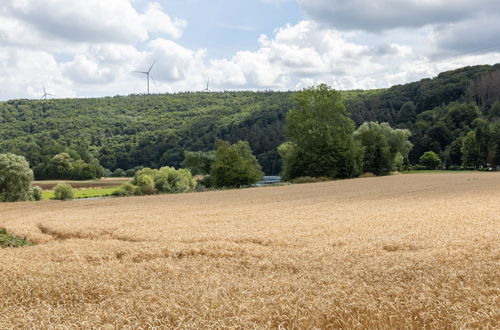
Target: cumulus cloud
{"points": [[88, 21], [24, 72]]}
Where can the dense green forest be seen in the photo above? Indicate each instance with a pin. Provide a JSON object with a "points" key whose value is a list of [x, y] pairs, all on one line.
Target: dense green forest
{"points": [[154, 130]]}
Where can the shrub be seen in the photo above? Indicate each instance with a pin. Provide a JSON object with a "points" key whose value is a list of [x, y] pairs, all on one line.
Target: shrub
{"points": [[146, 184], [63, 192], [127, 189], [430, 160], [35, 193], [170, 180], [15, 178]]}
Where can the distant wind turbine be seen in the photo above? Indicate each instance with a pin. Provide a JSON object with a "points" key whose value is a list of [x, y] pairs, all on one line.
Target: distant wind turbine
{"points": [[45, 94], [208, 84], [148, 74]]}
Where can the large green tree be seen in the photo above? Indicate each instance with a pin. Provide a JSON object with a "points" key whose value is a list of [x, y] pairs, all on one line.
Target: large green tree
{"points": [[15, 178], [235, 165], [430, 160], [319, 133], [471, 152]]}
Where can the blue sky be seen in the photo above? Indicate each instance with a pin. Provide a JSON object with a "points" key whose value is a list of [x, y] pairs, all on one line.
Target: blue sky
{"points": [[86, 48], [224, 27]]}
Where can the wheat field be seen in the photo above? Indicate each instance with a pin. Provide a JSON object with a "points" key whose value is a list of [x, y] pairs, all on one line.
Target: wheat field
{"points": [[399, 252]]}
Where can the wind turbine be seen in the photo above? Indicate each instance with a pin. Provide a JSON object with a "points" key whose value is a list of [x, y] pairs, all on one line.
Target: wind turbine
{"points": [[147, 73], [208, 84], [45, 94]]}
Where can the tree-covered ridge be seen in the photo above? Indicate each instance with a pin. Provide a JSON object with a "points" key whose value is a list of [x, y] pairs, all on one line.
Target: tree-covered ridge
{"points": [[155, 130]]}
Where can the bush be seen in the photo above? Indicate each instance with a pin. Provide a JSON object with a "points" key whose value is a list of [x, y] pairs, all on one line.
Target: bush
{"points": [[146, 184], [170, 180], [127, 189], [430, 160], [15, 178], [63, 192], [165, 180], [35, 193]]}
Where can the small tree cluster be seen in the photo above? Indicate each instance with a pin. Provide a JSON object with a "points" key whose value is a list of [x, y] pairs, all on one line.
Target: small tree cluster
{"points": [[384, 149], [63, 167]]}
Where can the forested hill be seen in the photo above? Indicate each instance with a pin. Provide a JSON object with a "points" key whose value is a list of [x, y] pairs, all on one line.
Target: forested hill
{"points": [[140, 130]]}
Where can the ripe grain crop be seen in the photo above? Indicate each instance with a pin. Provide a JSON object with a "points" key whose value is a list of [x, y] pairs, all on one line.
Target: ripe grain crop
{"points": [[399, 252]]}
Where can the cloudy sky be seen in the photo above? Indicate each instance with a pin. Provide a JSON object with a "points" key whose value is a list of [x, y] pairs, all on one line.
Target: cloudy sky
{"points": [[80, 48]]}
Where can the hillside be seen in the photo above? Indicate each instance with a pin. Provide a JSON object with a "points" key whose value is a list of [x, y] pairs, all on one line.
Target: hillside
{"points": [[140, 130]]}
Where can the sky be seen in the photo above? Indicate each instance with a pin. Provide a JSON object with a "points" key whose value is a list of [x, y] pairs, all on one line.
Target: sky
{"points": [[91, 48]]}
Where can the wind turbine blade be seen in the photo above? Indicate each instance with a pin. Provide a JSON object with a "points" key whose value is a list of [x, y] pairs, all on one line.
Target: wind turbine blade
{"points": [[151, 66], [153, 81], [143, 72]]}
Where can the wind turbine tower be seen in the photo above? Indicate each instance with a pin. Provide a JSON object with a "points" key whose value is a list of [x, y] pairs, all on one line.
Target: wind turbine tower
{"points": [[148, 74], [45, 94]]}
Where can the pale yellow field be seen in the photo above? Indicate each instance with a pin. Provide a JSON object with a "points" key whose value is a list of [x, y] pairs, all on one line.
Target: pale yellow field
{"points": [[407, 251]]}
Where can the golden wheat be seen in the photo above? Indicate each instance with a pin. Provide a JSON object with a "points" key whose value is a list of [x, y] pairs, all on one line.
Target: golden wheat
{"points": [[399, 252]]}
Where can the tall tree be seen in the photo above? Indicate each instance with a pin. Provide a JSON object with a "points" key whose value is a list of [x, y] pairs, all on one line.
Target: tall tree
{"points": [[320, 132], [15, 178], [471, 152], [235, 165]]}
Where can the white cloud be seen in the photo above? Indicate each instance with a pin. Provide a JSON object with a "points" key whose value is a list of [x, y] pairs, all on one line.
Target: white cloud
{"points": [[114, 21], [83, 70], [156, 20], [24, 72]]}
